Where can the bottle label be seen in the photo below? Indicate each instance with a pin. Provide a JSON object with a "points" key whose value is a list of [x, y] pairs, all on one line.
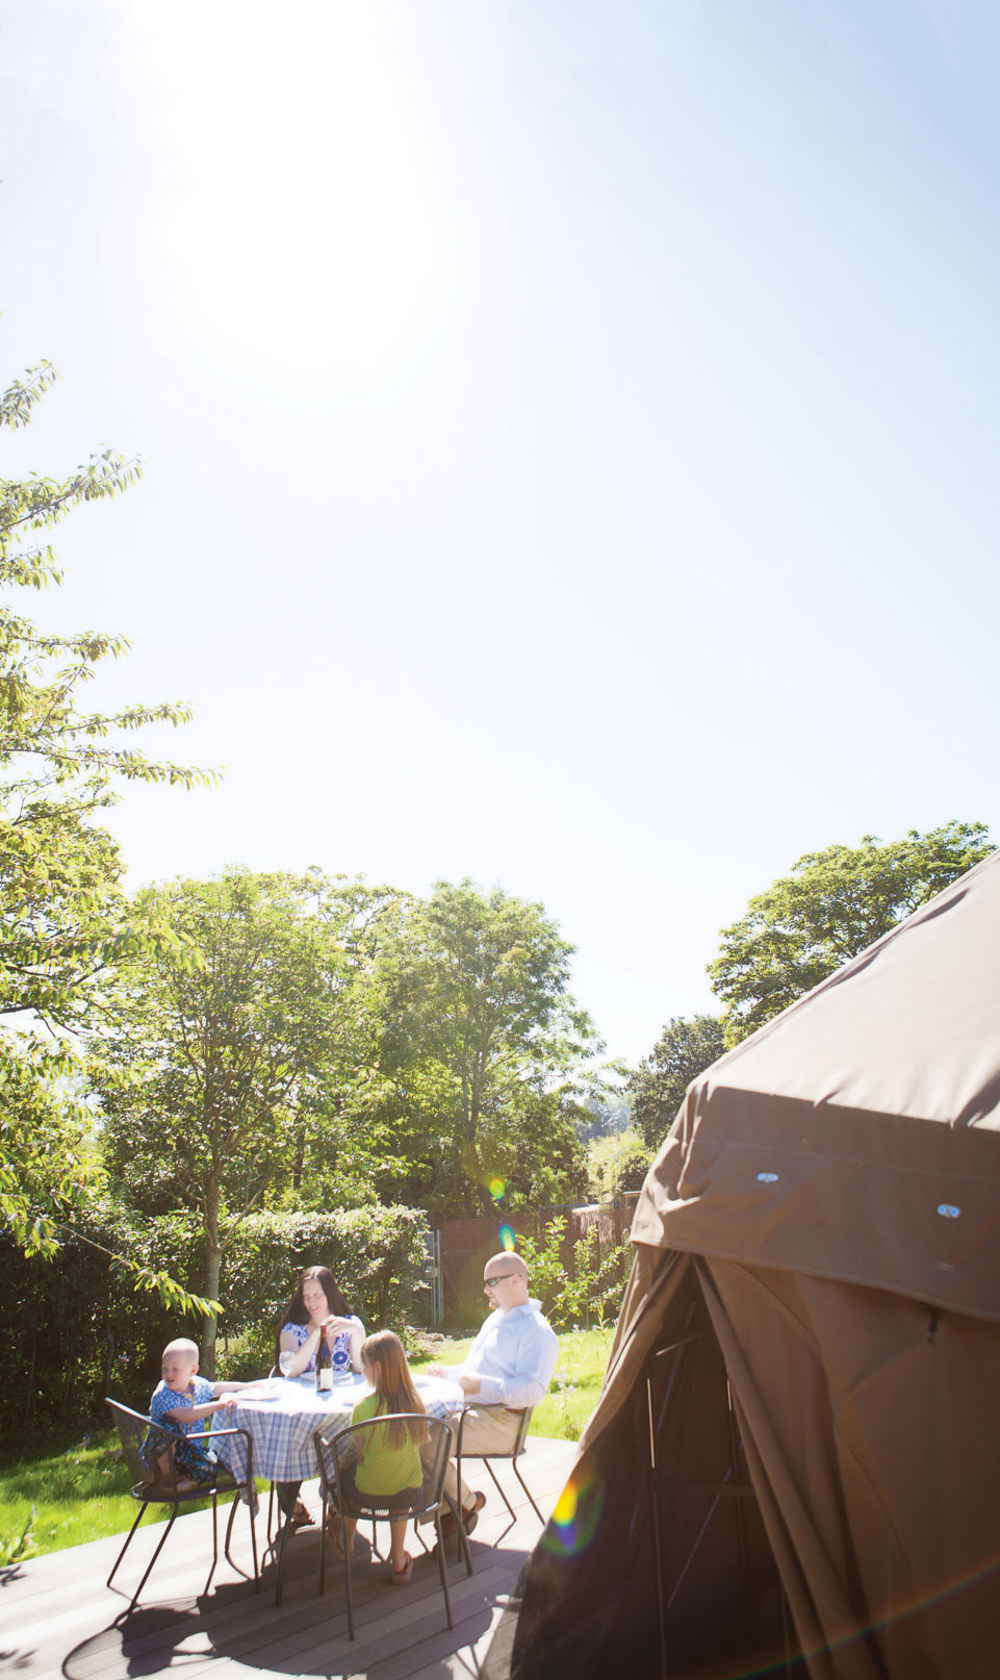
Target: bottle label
{"points": [[325, 1377]]}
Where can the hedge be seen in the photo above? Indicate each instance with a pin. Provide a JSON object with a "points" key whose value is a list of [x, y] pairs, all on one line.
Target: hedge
{"points": [[76, 1330]]}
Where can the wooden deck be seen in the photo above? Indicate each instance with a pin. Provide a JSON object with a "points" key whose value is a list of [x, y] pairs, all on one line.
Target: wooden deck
{"points": [[57, 1618]]}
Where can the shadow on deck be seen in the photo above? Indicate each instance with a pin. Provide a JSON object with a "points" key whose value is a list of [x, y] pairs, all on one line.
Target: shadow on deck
{"points": [[58, 1618]]}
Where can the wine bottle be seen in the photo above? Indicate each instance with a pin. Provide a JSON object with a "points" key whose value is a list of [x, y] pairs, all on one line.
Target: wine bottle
{"points": [[324, 1366]]}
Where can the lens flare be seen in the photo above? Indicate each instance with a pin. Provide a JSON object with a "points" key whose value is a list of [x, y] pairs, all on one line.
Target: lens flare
{"points": [[506, 1237], [576, 1517], [566, 1504], [498, 1188]]}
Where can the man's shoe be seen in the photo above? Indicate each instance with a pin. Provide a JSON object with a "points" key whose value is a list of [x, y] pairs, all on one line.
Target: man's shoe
{"points": [[449, 1526], [471, 1516]]}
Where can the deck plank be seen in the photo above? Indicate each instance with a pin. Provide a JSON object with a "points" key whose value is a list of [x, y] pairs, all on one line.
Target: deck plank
{"points": [[59, 1622]]}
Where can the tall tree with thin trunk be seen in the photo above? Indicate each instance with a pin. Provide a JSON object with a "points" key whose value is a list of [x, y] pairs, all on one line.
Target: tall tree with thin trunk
{"points": [[66, 921], [491, 1043], [202, 1079]]}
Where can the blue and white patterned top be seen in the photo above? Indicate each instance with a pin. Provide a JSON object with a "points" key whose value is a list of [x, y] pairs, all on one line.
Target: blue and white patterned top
{"points": [[341, 1346], [168, 1400]]}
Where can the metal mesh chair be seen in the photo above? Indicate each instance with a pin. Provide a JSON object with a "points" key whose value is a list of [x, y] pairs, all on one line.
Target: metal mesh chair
{"points": [[378, 1452], [513, 1452], [143, 1443]]}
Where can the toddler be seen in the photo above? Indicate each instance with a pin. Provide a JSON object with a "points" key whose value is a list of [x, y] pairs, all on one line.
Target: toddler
{"points": [[185, 1400]]}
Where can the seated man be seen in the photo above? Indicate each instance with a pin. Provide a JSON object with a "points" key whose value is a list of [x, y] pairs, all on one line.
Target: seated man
{"points": [[508, 1368]]}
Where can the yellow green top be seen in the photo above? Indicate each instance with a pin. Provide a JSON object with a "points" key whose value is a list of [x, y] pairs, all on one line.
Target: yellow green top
{"points": [[385, 1467]]}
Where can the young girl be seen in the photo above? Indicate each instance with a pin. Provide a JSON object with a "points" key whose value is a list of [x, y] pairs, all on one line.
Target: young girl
{"points": [[185, 1400], [389, 1456]]}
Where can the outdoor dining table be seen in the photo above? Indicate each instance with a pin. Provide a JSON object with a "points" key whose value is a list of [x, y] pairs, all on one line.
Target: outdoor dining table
{"points": [[281, 1413]]}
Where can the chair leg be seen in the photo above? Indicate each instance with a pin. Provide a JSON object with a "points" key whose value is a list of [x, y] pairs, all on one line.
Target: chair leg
{"points": [[349, 1593], [143, 1508], [462, 1539], [466, 1548], [528, 1491], [500, 1491], [442, 1567], [149, 1566], [253, 1542], [215, 1540], [322, 1548], [284, 1533]]}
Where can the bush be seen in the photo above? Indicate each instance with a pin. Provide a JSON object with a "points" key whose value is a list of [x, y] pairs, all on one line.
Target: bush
{"points": [[617, 1163], [584, 1292], [76, 1329], [375, 1253]]}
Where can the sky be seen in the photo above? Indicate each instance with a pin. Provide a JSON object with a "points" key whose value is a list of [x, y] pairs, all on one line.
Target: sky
{"points": [[568, 430]]}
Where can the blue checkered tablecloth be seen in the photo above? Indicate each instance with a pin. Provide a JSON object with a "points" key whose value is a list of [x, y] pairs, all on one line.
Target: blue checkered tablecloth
{"points": [[282, 1428]]}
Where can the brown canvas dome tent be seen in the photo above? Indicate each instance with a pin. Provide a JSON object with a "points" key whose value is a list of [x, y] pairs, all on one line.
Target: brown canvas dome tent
{"points": [[794, 1466]]}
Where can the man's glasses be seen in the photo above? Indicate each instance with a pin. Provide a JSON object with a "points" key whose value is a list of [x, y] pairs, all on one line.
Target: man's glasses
{"points": [[491, 1282]]}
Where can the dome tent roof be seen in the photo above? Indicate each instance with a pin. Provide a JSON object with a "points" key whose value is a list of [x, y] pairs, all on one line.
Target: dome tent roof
{"points": [[857, 1135]]}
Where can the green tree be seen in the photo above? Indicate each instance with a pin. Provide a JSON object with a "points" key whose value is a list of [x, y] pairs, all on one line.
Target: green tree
{"points": [[832, 906], [617, 1162], [490, 1048], [684, 1049], [65, 918], [350, 1131], [202, 1077]]}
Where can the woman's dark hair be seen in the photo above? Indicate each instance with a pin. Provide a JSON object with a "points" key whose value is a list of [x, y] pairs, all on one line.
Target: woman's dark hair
{"points": [[295, 1312]]}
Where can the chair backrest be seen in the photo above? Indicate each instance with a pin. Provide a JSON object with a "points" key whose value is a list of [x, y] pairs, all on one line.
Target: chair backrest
{"points": [[522, 1431], [517, 1445], [387, 1464], [143, 1443]]}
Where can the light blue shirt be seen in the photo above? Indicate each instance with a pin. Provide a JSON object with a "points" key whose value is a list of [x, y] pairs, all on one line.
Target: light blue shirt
{"points": [[514, 1357]]}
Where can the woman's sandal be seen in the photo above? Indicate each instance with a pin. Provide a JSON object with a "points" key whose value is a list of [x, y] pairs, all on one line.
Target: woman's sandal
{"points": [[401, 1577], [301, 1516]]}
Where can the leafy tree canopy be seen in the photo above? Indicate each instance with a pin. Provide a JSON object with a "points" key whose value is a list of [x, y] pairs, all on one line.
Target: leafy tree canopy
{"points": [[209, 1067], [684, 1049], [617, 1162], [491, 1037], [65, 920], [832, 905], [66, 917]]}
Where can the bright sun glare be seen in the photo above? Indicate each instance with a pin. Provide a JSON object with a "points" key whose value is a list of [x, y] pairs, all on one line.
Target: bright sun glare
{"points": [[301, 221]]}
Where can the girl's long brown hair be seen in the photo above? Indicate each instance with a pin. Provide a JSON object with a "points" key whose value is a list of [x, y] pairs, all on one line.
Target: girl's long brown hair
{"points": [[394, 1385], [295, 1312]]}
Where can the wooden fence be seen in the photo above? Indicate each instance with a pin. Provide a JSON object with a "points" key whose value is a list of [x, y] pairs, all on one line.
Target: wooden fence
{"points": [[466, 1245]]}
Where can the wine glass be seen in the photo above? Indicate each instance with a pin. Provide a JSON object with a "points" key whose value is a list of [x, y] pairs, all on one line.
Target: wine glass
{"points": [[286, 1359]]}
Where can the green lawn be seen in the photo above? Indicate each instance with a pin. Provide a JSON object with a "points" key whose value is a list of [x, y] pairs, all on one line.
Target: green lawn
{"points": [[78, 1494], [81, 1492]]}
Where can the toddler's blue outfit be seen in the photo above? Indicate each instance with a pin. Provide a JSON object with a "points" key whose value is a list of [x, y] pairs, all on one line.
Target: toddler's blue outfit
{"points": [[191, 1458]]}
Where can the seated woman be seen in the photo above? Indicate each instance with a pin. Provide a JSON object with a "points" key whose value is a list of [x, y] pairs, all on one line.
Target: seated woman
{"points": [[317, 1308]]}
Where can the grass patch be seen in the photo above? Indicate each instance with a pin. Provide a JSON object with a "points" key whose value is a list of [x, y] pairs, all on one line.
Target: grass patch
{"points": [[572, 1396], [81, 1492]]}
